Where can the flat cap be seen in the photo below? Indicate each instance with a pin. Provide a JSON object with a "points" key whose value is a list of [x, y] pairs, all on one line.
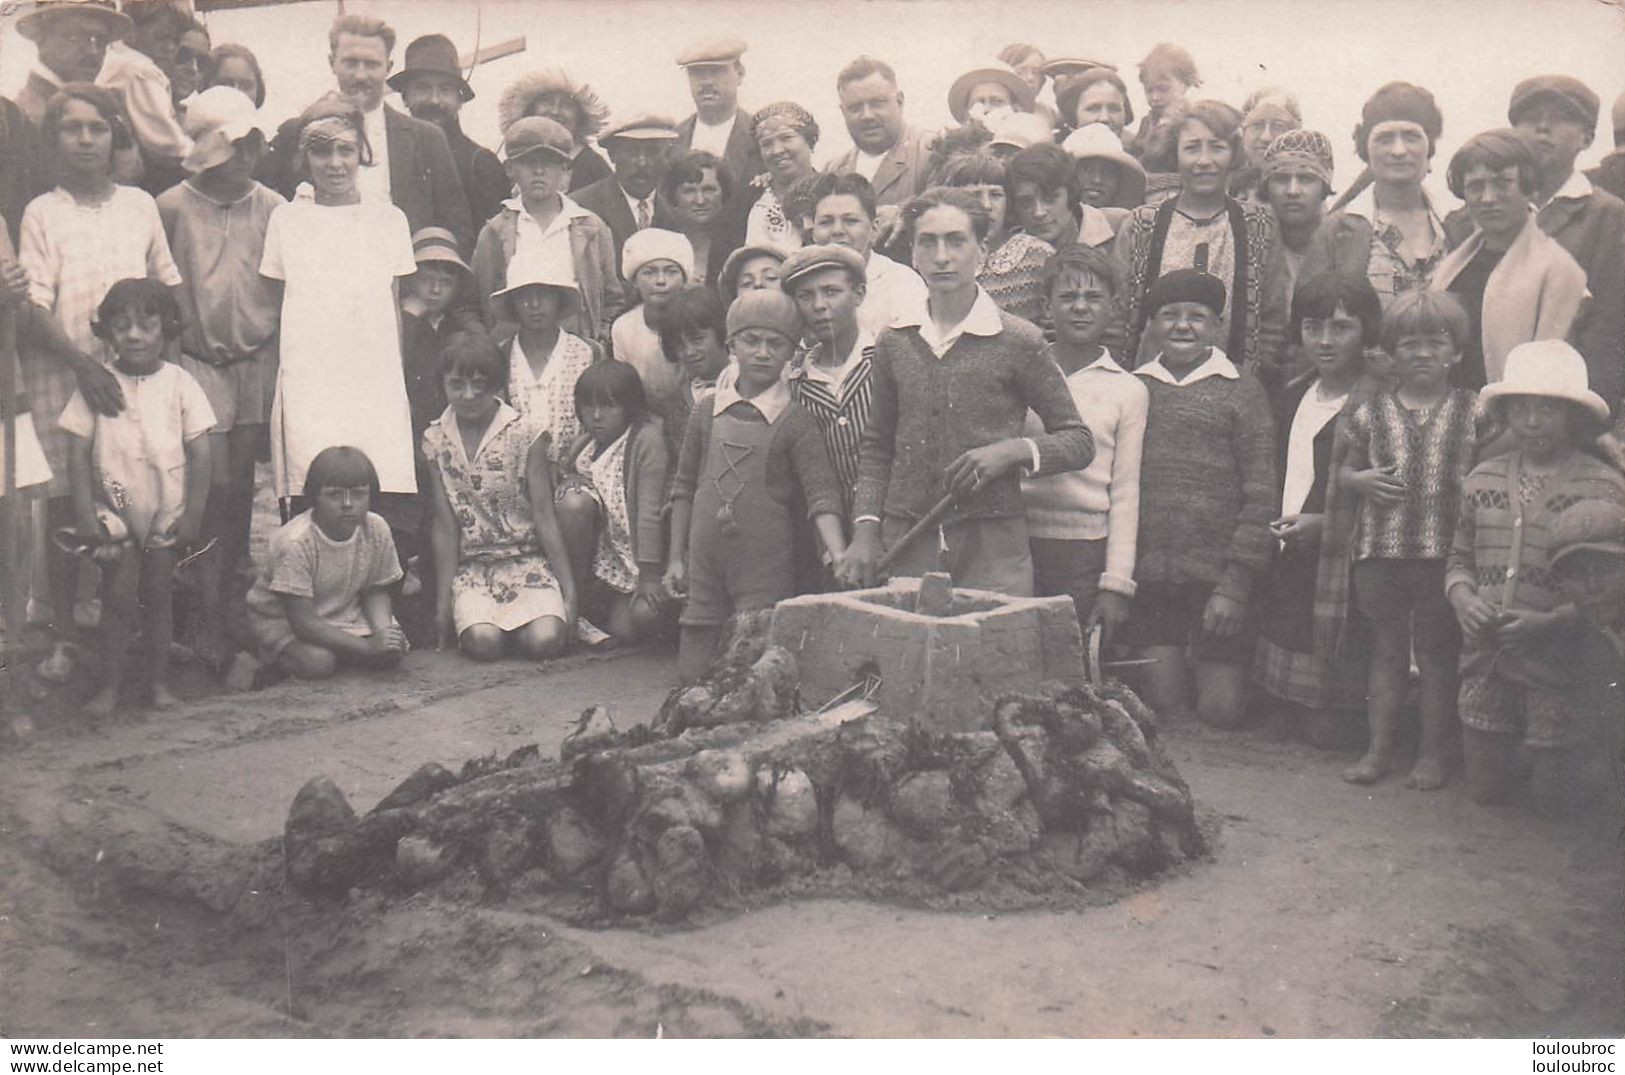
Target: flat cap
{"points": [[537, 134], [1571, 91], [711, 50], [821, 256], [643, 125]]}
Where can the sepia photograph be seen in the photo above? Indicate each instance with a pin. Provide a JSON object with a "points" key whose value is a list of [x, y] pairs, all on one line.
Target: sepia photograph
{"points": [[1060, 521]]}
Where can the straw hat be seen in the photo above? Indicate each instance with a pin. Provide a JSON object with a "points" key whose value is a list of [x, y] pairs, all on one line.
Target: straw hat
{"points": [[550, 266], [1100, 142], [33, 24], [1003, 74], [1549, 368]]}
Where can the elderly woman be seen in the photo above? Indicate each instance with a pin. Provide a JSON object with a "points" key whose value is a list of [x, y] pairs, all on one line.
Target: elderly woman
{"points": [[1204, 228], [571, 104], [1390, 233], [786, 134], [1012, 261], [1095, 95], [1517, 283], [236, 66], [984, 93], [699, 187]]}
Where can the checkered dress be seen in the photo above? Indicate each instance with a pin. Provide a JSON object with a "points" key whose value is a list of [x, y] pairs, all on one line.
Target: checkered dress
{"points": [[73, 253]]}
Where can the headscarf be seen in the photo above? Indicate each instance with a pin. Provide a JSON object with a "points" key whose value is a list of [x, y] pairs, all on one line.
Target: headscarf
{"points": [[788, 112]]}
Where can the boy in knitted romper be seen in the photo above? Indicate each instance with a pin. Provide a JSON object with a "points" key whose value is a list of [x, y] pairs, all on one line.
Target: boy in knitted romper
{"points": [[1207, 495]]}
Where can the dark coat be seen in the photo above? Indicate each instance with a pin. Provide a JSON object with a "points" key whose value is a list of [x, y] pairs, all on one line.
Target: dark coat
{"points": [[743, 158], [22, 177], [607, 201], [587, 167], [485, 180], [423, 179]]}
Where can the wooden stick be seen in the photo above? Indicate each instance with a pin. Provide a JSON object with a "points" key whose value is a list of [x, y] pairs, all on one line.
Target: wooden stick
{"points": [[471, 60], [927, 521]]}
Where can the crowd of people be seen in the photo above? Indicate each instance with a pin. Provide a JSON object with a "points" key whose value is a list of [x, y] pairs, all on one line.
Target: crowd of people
{"points": [[624, 376]]}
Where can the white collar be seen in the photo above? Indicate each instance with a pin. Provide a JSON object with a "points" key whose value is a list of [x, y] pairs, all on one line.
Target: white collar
{"points": [[499, 421], [733, 117], [1364, 205], [877, 265], [770, 402], [1105, 363], [983, 319], [568, 209], [1576, 186], [837, 375], [1216, 365], [1094, 228]]}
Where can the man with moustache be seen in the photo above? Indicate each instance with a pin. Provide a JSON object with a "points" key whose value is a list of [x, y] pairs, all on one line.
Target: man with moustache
{"points": [[411, 162], [432, 86], [719, 126], [72, 38], [638, 147]]}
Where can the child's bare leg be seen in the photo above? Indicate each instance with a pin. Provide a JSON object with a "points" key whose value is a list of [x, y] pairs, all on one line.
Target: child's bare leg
{"points": [[121, 585], [631, 621], [307, 661], [1490, 764], [1220, 690], [209, 569], [482, 642], [541, 639], [242, 443], [696, 649], [1436, 663], [158, 614], [1167, 684], [578, 523], [1385, 693]]}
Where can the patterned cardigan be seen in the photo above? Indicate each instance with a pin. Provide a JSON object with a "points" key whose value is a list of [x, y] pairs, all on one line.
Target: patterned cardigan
{"points": [[1257, 336]]}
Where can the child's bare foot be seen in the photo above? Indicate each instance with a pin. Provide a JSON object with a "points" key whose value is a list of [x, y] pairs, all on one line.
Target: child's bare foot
{"points": [[1368, 770], [163, 697], [104, 703], [1426, 775]]}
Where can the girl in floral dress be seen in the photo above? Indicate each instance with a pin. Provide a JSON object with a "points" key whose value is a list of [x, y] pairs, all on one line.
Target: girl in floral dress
{"points": [[503, 572]]}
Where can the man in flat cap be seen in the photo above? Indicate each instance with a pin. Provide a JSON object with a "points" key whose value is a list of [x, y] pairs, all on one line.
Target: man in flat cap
{"points": [[639, 147], [719, 126], [411, 162], [432, 87], [1558, 115]]}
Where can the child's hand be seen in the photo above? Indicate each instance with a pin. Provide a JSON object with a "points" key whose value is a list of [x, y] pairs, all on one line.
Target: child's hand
{"points": [[1476, 616], [1379, 484], [651, 591], [676, 580], [1222, 617], [13, 282], [977, 467]]}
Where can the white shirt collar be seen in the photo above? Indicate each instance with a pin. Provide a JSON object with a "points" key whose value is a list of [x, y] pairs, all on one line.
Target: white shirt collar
{"points": [[1107, 363], [983, 320], [813, 371], [1576, 186], [448, 421], [770, 402], [1365, 205], [1094, 229], [1217, 365], [568, 209]]}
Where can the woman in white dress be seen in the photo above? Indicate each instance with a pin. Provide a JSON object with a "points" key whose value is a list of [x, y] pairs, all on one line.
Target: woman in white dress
{"points": [[338, 257]]}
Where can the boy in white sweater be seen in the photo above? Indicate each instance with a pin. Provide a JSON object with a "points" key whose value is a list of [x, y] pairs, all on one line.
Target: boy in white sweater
{"points": [[1082, 524]]}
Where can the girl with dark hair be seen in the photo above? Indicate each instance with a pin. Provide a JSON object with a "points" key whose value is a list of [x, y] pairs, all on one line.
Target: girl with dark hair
{"points": [[1205, 229], [622, 457], [140, 480], [700, 189], [76, 242], [236, 66], [1014, 259]]}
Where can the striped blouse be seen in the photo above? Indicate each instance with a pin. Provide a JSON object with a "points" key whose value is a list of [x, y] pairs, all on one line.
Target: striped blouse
{"points": [[839, 403]]}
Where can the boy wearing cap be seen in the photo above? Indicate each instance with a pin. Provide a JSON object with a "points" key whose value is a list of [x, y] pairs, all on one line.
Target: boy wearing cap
{"points": [[752, 467], [1207, 495], [432, 87], [1558, 115], [1522, 634], [536, 151], [831, 380], [216, 222], [953, 381]]}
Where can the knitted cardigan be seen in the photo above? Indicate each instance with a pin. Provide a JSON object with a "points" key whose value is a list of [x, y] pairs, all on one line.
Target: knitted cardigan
{"points": [[1257, 333], [1207, 484], [927, 411]]}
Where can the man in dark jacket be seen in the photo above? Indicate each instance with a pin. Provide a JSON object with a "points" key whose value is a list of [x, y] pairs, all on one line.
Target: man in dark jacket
{"points": [[412, 164], [434, 90], [719, 126], [638, 148]]}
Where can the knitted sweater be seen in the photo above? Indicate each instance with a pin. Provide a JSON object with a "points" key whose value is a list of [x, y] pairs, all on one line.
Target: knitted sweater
{"points": [[1207, 484], [798, 468], [927, 411], [1103, 499]]}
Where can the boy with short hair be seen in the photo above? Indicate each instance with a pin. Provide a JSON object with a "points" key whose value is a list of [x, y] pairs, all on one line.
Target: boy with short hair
{"points": [[1522, 666], [843, 214], [1082, 526], [953, 382], [832, 379], [1208, 493], [1406, 454]]}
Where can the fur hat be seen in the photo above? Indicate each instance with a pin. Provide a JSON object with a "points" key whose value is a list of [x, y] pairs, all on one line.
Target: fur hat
{"points": [[517, 99]]}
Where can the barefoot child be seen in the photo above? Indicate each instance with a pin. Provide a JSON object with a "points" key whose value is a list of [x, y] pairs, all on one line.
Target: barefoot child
{"points": [[500, 562], [752, 462], [1407, 452], [322, 596], [1082, 526], [622, 457], [216, 223], [1207, 495], [1523, 636], [147, 468]]}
